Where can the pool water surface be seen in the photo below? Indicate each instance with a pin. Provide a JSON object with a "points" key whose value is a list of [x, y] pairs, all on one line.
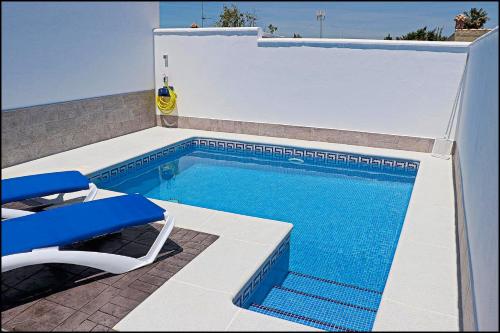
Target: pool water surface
{"points": [[347, 220]]}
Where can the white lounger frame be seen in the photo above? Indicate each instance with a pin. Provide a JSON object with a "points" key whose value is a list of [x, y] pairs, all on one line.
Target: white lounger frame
{"points": [[9, 213], [113, 263]]}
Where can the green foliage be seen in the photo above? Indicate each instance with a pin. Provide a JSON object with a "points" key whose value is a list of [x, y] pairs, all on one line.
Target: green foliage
{"points": [[272, 29], [424, 34], [388, 37], [232, 17], [476, 18]]}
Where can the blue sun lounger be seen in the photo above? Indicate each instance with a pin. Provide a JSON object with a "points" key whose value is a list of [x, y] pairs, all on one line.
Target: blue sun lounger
{"points": [[36, 239], [34, 186]]}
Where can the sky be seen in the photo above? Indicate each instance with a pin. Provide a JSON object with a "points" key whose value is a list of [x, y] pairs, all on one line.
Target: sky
{"points": [[366, 20]]}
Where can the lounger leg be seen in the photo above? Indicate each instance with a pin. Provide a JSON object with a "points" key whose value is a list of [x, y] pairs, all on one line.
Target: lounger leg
{"points": [[113, 263], [92, 193]]}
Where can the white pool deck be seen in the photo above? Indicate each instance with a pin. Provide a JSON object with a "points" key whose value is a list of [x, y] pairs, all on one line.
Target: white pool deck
{"points": [[421, 291]]}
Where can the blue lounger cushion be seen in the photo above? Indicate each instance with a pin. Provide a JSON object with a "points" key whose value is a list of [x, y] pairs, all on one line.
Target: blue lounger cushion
{"points": [[69, 224], [34, 186]]}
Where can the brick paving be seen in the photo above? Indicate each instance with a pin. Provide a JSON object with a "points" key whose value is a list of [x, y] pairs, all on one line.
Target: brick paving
{"points": [[60, 297]]}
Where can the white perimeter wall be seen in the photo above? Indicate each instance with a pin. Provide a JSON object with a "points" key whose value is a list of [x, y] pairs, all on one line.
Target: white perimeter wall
{"points": [[53, 52], [391, 87], [477, 141]]}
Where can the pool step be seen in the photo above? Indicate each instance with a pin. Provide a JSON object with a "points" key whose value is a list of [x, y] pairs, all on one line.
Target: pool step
{"points": [[326, 299], [321, 303], [298, 318], [336, 290]]}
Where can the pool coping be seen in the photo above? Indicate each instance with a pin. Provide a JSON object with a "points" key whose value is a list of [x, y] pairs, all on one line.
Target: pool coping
{"points": [[421, 291]]}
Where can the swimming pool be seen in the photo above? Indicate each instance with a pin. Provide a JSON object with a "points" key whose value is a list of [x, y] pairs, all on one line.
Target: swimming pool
{"points": [[347, 212]]}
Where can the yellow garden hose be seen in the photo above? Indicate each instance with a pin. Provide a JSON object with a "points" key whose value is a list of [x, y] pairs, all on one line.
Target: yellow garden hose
{"points": [[166, 104]]}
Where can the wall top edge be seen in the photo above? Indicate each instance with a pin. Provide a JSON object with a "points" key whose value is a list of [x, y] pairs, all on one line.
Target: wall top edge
{"points": [[243, 31], [454, 47], [486, 35], [432, 46]]}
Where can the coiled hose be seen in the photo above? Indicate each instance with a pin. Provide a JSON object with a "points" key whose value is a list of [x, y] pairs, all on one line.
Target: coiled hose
{"points": [[166, 104]]}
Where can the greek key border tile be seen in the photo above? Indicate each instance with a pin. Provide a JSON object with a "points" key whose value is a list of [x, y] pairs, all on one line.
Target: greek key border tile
{"points": [[254, 282], [258, 149], [306, 154], [140, 162]]}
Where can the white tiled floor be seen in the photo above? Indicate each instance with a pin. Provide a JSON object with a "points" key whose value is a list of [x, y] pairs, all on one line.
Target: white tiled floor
{"points": [[421, 291]]}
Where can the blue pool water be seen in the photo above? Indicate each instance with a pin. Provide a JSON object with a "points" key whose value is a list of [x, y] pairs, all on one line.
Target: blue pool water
{"points": [[347, 222]]}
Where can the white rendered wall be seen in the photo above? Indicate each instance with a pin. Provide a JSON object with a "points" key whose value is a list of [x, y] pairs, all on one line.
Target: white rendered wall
{"points": [[391, 87], [53, 52], [477, 141]]}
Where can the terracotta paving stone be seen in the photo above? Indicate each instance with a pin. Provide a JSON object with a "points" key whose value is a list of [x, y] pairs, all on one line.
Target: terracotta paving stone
{"points": [[29, 325], [92, 274], [11, 295], [45, 279], [86, 326], [146, 238], [114, 310], [192, 245], [109, 244], [124, 302], [151, 279], [134, 294], [134, 249], [72, 269], [143, 286], [179, 233], [43, 315], [161, 273], [168, 266], [132, 233], [109, 279], [12, 312], [77, 297], [189, 235], [185, 256], [72, 321], [16, 276], [100, 328], [60, 297], [103, 298], [176, 261], [104, 319], [191, 250], [209, 240], [199, 238], [127, 279]]}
